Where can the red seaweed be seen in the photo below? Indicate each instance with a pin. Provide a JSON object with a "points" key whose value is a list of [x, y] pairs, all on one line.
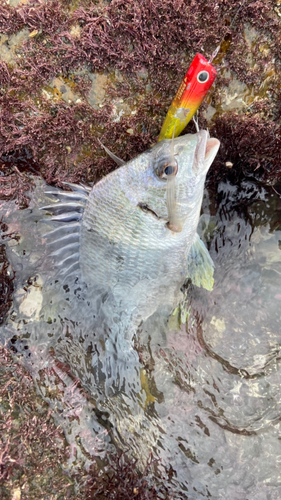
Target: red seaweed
{"points": [[149, 44], [122, 480], [251, 144]]}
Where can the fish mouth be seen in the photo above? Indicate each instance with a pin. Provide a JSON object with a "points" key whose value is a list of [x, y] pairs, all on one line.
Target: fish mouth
{"points": [[175, 228], [146, 209]]}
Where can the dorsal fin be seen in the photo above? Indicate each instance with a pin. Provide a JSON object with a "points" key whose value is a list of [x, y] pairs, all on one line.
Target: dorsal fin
{"points": [[66, 210], [82, 188], [115, 158]]}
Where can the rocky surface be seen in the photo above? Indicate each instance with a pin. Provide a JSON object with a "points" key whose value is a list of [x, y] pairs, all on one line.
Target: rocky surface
{"points": [[75, 72]]}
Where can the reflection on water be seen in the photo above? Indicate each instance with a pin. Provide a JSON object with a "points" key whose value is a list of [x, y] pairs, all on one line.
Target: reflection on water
{"points": [[203, 396]]}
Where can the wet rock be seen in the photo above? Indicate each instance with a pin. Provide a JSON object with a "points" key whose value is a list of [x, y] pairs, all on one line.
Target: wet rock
{"points": [[97, 91], [10, 44], [62, 90]]}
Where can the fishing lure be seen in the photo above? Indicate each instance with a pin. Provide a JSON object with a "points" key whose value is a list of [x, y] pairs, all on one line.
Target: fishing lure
{"points": [[193, 88]]}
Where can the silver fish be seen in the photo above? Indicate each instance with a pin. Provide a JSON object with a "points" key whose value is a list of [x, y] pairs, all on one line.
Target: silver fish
{"points": [[130, 235], [132, 239]]}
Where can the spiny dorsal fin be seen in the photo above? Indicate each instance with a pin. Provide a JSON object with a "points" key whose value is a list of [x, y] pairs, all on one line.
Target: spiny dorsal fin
{"points": [[63, 240], [82, 188], [68, 195], [115, 158]]}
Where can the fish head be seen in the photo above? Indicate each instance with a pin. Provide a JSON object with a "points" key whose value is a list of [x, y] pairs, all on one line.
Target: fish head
{"points": [[167, 181]]}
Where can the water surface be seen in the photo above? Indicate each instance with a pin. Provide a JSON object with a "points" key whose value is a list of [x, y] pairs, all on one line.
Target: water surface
{"points": [[202, 391]]}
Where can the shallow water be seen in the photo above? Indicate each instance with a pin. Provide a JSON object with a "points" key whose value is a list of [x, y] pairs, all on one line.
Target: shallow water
{"points": [[203, 395]]}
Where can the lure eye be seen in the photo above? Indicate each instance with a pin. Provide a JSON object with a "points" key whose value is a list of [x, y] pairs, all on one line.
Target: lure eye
{"points": [[203, 76], [168, 170]]}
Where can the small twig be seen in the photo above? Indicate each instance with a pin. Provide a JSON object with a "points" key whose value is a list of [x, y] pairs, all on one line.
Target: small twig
{"points": [[17, 170], [279, 194]]}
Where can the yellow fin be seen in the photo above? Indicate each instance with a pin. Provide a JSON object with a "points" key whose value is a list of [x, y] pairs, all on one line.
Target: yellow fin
{"points": [[200, 265], [145, 387]]}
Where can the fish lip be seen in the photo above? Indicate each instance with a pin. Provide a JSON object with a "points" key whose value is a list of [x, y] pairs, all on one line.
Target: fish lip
{"points": [[175, 228]]}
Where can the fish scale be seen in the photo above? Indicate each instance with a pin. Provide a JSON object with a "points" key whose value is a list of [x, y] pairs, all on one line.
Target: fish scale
{"points": [[122, 242]]}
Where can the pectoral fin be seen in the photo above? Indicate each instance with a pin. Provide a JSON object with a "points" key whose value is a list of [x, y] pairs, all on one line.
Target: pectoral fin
{"points": [[200, 265]]}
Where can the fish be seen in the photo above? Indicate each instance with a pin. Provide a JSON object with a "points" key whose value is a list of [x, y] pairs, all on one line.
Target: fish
{"points": [[119, 253], [128, 236]]}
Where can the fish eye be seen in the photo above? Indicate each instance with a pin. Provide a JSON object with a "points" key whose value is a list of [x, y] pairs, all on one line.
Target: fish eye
{"points": [[168, 170], [203, 76]]}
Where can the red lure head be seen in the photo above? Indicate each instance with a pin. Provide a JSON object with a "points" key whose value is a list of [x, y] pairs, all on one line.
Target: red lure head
{"points": [[197, 81], [193, 88]]}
